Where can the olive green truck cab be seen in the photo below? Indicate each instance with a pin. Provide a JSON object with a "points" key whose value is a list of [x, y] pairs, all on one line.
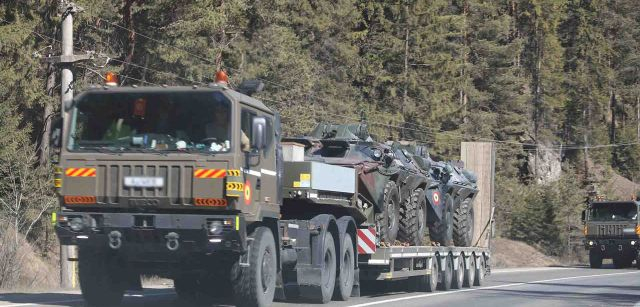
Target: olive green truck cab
{"points": [[612, 231], [191, 184]]}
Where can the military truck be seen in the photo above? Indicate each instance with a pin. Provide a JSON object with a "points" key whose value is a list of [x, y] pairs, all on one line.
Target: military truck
{"points": [[191, 184], [612, 231]]}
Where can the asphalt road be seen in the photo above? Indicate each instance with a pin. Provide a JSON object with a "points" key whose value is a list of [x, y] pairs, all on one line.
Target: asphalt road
{"points": [[514, 287]]}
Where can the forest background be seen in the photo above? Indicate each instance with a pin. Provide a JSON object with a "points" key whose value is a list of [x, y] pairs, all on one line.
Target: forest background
{"points": [[555, 83]]}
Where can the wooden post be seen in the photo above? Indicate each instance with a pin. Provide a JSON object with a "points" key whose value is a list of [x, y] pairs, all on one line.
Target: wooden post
{"points": [[480, 157]]}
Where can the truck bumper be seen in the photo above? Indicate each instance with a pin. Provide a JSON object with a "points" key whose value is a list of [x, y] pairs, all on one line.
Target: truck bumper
{"points": [[152, 237], [609, 248]]}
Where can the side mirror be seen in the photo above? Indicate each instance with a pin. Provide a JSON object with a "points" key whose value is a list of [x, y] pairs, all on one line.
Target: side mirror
{"points": [[259, 133], [584, 215], [55, 135]]}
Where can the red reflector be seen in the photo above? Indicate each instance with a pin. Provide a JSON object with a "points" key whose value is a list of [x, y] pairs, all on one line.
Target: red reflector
{"points": [[77, 200], [210, 202]]}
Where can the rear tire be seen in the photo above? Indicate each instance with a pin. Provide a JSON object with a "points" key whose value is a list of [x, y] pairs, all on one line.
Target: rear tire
{"points": [[427, 282], [328, 278], [344, 281], [595, 259], [413, 218], [458, 275], [102, 284], [388, 220], [255, 285], [470, 272], [442, 231], [479, 272], [463, 224], [445, 280]]}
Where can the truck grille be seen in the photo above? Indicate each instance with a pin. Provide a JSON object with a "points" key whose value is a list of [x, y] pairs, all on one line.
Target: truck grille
{"points": [[610, 230], [178, 183]]}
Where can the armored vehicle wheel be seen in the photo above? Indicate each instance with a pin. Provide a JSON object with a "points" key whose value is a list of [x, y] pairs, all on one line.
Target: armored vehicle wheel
{"points": [[479, 272], [388, 219], [100, 281], [447, 275], [470, 272], [458, 275], [442, 231], [595, 259], [344, 282], [413, 218], [463, 224], [427, 282], [255, 285]]}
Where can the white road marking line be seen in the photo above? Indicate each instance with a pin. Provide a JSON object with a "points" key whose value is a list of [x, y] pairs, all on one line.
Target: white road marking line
{"points": [[81, 300], [500, 271], [484, 288]]}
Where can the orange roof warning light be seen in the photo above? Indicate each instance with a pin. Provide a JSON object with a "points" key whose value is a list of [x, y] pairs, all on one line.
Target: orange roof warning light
{"points": [[110, 79], [222, 78]]}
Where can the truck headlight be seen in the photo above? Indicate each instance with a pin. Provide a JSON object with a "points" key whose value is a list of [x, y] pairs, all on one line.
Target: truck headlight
{"points": [[215, 227], [591, 243], [633, 243], [76, 224]]}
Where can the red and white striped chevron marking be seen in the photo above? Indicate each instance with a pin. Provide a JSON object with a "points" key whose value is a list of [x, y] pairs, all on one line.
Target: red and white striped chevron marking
{"points": [[366, 241]]}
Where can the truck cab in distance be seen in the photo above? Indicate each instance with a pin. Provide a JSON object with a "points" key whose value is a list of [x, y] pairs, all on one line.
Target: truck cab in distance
{"points": [[612, 231]]}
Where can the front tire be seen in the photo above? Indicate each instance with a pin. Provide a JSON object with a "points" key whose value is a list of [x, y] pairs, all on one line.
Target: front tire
{"points": [[413, 218], [388, 219], [101, 282], [255, 285], [344, 282], [463, 224], [595, 259]]}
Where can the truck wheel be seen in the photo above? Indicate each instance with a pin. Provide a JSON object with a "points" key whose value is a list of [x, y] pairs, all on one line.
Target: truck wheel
{"points": [[388, 219], [638, 261], [622, 262], [328, 278], [101, 284], [442, 231], [255, 285], [344, 282], [458, 274], [427, 282], [413, 218], [463, 224], [595, 259], [470, 272], [479, 272], [445, 280]]}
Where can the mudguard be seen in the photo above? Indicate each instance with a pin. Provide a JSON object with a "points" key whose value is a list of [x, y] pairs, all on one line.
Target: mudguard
{"points": [[435, 198]]}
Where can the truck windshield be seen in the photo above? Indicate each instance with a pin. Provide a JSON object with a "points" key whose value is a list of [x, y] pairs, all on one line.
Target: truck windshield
{"points": [[151, 121], [614, 212]]}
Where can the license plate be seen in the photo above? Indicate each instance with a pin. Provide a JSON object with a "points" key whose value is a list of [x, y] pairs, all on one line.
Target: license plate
{"points": [[144, 182]]}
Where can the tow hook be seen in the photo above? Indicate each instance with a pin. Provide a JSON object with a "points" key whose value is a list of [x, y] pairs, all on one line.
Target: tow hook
{"points": [[115, 239], [172, 241]]}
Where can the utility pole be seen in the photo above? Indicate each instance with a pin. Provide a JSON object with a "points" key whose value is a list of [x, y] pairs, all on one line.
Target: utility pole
{"points": [[68, 254]]}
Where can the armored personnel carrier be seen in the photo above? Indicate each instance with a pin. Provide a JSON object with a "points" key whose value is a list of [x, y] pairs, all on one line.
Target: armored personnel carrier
{"points": [[391, 188]]}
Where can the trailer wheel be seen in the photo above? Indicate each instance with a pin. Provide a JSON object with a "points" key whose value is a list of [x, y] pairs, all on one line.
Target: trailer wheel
{"points": [[388, 219], [255, 285], [344, 281], [427, 282], [595, 259], [101, 283], [442, 231], [479, 273], [470, 272], [458, 274], [413, 218], [463, 224], [445, 280], [328, 278]]}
